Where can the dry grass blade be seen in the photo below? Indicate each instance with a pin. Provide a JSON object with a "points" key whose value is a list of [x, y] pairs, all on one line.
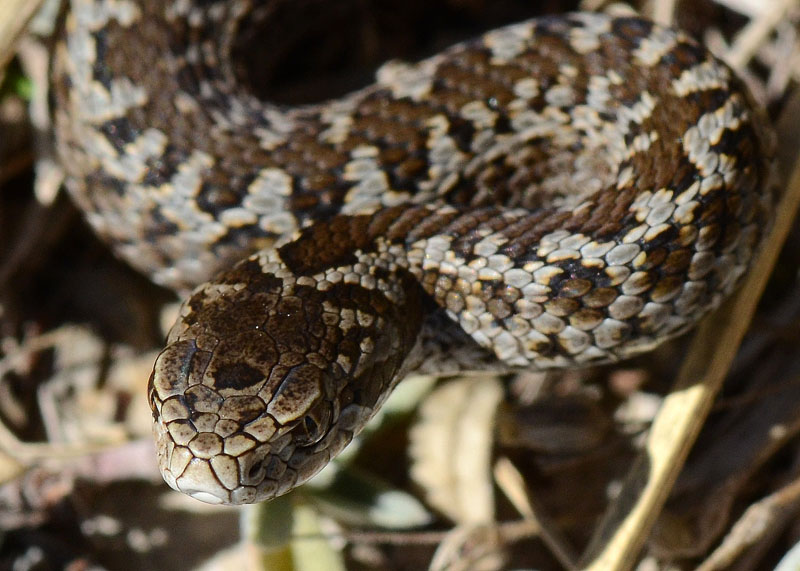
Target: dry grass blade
{"points": [[752, 37], [14, 18], [627, 524], [513, 485], [663, 12], [760, 518]]}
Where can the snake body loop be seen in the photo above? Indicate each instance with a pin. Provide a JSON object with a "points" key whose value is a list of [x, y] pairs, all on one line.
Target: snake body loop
{"points": [[566, 191]]}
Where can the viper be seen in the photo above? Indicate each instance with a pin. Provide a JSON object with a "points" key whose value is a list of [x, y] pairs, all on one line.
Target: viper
{"points": [[566, 191]]}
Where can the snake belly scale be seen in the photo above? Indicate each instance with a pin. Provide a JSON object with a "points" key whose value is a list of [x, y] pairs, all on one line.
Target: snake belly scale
{"points": [[566, 191]]}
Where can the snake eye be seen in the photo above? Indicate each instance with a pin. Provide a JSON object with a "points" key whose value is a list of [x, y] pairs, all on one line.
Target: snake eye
{"points": [[313, 427], [310, 424]]}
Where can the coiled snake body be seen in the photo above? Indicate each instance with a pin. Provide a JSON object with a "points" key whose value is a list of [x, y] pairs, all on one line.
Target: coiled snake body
{"points": [[566, 191]]}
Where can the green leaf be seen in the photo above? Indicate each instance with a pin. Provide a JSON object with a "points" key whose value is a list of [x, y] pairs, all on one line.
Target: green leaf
{"points": [[311, 550], [363, 500]]}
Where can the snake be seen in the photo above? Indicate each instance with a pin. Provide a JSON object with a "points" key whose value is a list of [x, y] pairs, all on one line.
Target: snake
{"points": [[567, 191]]}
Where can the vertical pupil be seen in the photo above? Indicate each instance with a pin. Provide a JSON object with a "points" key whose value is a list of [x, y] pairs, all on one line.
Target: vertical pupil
{"points": [[254, 469], [311, 426]]}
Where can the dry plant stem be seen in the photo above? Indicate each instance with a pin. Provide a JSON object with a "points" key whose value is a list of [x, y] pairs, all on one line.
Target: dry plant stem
{"points": [[592, 5], [663, 11], [509, 531], [14, 17], [620, 536], [513, 486], [766, 516], [781, 58], [753, 36], [26, 453], [30, 454]]}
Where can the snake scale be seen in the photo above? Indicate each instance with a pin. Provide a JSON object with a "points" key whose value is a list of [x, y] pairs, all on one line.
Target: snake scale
{"points": [[566, 191]]}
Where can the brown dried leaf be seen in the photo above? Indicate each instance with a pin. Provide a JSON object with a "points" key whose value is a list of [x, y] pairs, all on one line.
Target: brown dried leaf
{"points": [[451, 445]]}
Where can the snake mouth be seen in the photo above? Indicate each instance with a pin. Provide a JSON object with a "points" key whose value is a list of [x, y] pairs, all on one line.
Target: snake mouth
{"points": [[210, 480], [260, 473]]}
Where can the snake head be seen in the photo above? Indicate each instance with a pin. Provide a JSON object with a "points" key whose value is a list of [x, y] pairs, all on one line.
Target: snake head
{"points": [[262, 384]]}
